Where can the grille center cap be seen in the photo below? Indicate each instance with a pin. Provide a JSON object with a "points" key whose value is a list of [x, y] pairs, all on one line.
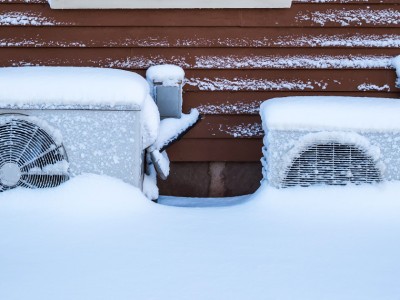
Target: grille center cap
{"points": [[10, 174]]}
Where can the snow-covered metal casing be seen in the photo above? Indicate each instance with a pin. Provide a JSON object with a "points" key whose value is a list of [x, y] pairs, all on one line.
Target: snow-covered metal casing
{"points": [[313, 149], [168, 99], [106, 142]]}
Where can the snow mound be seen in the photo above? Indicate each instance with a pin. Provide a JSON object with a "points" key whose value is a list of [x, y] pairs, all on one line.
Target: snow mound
{"points": [[331, 113], [83, 196], [99, 238], [168, 75], [71, 87]]}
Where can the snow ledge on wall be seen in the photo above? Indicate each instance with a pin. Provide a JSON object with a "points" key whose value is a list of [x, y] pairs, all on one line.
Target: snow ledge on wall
{"points": [[160, 4]]}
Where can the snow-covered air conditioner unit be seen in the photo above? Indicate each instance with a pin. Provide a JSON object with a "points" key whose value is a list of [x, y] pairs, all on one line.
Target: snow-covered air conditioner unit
{"points": [[330, 140], [56, 122]]}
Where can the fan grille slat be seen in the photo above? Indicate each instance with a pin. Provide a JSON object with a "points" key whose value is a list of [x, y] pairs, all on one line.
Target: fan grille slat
{"points": [[331, 164]]}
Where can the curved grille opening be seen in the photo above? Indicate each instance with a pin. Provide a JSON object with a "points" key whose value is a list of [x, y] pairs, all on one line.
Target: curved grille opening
{"points": [[331, 164], [29, 156]]}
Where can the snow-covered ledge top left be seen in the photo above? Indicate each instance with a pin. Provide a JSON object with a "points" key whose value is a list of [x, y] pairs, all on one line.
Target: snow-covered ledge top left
{"points": [[71, 88]]}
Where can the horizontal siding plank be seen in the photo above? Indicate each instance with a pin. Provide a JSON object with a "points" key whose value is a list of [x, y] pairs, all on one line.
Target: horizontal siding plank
{"points": [[245, 150], [189, 37], [236, 126], [300, 15], [217, 58], [231, 80], [295, 80], [248, 103]]}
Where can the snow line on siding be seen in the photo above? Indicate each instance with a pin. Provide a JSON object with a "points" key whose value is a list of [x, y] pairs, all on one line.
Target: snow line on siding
{"points": [[237, 84], [351, 17], [229, 108], [338, 40], [321, 40], [373, 87], [341, 40], [234, 62], [297, 61], [242, 130], [27, 19], [138, 62]]}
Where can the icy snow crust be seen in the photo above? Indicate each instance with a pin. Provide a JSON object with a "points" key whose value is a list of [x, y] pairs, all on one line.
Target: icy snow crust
{"points": [[98, 238], [331, 113], [71, 88]]}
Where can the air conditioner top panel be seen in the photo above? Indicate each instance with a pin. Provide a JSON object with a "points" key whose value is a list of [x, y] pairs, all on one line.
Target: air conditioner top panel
{"points": [[331, 113], [71, 88]]}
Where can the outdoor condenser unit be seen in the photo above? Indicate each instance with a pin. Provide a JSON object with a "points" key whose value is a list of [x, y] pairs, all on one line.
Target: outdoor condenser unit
{"points": [[330, 140], [56, 122]]}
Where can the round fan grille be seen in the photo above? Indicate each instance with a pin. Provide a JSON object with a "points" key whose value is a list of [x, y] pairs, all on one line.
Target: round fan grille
{"points": [[29, 156], [332, 164]]}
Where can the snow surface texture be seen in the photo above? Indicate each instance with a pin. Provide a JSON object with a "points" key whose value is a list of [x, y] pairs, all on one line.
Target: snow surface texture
{"points": [[396, 64], [293, 124], [71, 87], [98, 238]]}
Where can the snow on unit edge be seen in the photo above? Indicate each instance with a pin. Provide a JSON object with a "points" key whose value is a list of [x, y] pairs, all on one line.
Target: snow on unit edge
{"points": [[71, 87], [396, 64], [331, 113]]}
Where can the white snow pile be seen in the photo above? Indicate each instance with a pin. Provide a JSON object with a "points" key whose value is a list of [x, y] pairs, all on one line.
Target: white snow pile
{"points": [[98, 238], [71, 87], [331, 113], [171, 128], [396, 64], [167, 75]]}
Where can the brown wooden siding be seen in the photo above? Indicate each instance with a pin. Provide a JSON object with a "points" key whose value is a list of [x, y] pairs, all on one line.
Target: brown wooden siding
{"points": [[234, 59]]}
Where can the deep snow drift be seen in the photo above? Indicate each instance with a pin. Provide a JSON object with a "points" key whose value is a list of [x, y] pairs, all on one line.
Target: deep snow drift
{"points": [[98, 238]]}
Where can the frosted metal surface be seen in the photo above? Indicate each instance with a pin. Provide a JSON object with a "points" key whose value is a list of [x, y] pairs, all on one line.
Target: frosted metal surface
{"points": [[99, 142], [282, 147]]}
